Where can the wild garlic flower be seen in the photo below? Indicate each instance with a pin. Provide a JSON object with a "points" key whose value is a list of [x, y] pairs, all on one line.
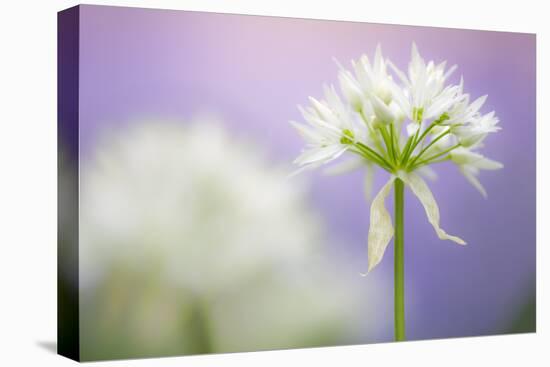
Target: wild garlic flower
{"points": [[442, 126]]}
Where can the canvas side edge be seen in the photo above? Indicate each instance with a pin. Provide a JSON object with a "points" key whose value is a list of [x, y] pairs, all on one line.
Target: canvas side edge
{"points": [[68, 330]]}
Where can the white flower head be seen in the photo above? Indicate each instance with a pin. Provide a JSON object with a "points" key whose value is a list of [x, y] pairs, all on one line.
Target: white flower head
{"points": [[330, 128], [424, 94], [369, 89], [371, 122], [374, 78]]}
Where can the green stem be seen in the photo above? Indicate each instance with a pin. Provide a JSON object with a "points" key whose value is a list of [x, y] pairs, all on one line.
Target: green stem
{"points": [[434, 161], [406, 150], [441, 136], [411, 144], [387, 142], [367, 155], [381, 160], [399, 274], [433, 157], [395, 142], [417, 139], [199, 324]]}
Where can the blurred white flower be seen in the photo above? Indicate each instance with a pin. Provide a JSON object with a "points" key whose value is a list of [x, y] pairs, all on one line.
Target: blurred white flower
{"points": [[191, 215], [157, 188]]}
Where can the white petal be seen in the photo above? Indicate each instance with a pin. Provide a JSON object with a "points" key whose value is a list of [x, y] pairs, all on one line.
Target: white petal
{"points": [[489, 164], [416, 59], [350, 89], [401, 99], [380, 228], [467, 136], [309, 134], [344, 167], [401, 75], [324, 112], [412, 127], [423, 193], [469, 173], [461, 155], [476, 105], [382, 111], [398, 112], [449, 72], [442, 102], [324, 154], [428, 172], [302, 169]]}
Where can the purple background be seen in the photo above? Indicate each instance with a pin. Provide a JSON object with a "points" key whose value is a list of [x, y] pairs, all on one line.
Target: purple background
{"points": [[253, 71]]}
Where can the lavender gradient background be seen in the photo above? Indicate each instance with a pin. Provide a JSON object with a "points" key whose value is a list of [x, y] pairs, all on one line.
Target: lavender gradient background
{"points": [[253, 71]]}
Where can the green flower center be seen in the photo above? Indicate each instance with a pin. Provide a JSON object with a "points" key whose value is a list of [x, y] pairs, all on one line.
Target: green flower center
{"points": [[417, 114], [347, 137]]}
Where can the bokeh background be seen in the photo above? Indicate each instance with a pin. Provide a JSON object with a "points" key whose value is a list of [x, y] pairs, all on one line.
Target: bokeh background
{"points": [[227, 85]]}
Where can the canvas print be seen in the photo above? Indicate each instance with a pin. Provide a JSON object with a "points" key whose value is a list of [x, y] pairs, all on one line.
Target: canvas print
{"points": [[233, 183]]}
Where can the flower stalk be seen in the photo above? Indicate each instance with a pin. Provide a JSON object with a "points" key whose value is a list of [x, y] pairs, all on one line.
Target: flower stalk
{"points": [[399, 261]]}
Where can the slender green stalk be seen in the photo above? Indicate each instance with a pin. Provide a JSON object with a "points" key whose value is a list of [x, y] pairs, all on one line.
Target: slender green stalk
{"points": [[417, 139], [395, 142], [434, 161], [411, 144], [442, 135], [433, 157], [367, 154], [368, 150], [399, 274], [388, 143], [392, 143], [406, 150]]}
